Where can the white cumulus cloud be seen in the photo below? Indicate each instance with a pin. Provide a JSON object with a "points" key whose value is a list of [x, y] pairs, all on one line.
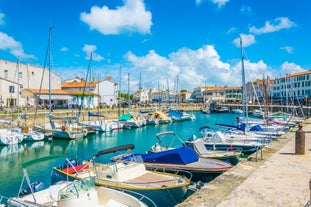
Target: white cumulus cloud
{"points": [[290, 68], [131, 17], [14, 47], [288, 49], [276, 25], [219, 3], [193, 67], [90, 49], [247, 40]]}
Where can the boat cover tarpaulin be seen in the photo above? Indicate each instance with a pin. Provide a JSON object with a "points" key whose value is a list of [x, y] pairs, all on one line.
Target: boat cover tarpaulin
{"points": [[125, 117], [255, 128], [183, 155], [96, 114]]}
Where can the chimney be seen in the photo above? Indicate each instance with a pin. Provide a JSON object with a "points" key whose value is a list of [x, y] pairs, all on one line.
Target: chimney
{"points": [[108, 78]]}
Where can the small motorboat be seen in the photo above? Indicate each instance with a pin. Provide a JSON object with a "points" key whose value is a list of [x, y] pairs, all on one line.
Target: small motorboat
{"points": [[164, 189]]}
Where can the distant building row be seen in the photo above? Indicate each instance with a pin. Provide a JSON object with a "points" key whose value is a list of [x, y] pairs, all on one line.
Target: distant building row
{"points": [[20, 86]]}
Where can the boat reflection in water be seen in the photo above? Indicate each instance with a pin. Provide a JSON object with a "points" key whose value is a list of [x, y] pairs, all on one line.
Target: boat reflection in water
{"points": [[11, 149]]}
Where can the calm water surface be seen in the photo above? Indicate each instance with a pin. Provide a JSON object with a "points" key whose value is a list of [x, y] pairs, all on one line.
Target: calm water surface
{"points": [[11, 158]]}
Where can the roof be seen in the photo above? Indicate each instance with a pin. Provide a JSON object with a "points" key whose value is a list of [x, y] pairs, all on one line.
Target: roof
{"points": [[81, 84], [295, 74], [58, 92]]}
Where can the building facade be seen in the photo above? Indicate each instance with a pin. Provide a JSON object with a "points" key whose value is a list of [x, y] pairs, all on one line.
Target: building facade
{"points": [[15, 77], [293, 88]]}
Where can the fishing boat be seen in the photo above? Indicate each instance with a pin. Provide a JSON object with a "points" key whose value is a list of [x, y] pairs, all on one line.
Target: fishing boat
{"points": [[163, 188], [78, 193]]}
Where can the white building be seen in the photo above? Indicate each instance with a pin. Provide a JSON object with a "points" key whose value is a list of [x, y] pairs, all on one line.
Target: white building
{"points": [[293, 87], [107, 91], [15, 77]]}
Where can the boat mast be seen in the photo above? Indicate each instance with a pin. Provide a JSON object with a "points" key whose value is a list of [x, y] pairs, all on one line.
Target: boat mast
{"points": [[244, 101], [18, 92], [128, 92], [85, 81], [42, 77], [119, 95], [49, 48]]}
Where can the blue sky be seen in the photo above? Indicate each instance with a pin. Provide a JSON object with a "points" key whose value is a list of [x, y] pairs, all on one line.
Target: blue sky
{"points": [[160, 40]]}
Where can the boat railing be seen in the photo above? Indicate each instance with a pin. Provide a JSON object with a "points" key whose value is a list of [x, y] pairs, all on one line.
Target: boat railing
{"points": [[148, 201], [3, 200]]}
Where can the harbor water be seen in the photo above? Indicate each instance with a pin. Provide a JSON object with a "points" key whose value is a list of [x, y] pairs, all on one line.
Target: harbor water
{"points": [[12, 157]]}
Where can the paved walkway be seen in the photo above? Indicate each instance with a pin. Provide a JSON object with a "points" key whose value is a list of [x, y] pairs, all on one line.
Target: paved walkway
{"points": [[279, 180]]}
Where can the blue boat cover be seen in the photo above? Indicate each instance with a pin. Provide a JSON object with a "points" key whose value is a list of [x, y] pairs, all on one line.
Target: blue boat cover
{"points": [[182, 155], [96, 114], [176, 114], [255, 128]]}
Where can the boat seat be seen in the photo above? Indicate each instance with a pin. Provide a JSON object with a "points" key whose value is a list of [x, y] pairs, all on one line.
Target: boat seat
{"points": [[75, 169], [200, 148]]}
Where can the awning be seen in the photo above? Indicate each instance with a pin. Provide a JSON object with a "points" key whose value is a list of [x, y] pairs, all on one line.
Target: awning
{"points": [[55, 97]]}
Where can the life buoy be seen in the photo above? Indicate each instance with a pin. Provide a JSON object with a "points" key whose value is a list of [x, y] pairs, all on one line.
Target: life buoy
{"points": [[63, 128]]}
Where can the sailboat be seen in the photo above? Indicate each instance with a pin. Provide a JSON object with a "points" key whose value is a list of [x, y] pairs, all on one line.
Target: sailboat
{"points": [[130, 120], [97, 125], [28, 133], [62, 127]]}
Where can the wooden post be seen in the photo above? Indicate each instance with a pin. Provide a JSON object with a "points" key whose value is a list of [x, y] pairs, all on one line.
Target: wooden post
{"points": [[300, 141]]}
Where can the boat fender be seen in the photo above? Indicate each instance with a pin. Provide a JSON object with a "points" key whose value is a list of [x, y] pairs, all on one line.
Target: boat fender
{"points": [[63, 128], [193, 137], [199, 185]]}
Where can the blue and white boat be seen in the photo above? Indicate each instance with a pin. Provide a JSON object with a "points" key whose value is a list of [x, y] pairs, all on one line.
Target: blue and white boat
{"points": [[185, 159]]}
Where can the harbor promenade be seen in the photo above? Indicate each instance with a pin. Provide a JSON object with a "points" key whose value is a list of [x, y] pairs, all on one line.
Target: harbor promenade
{"points": [[280, 178]]}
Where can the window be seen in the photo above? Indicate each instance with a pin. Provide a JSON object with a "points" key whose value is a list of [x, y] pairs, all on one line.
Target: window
{"points": [[32, 73], [11, 89], [20, 75], [6, 74]]}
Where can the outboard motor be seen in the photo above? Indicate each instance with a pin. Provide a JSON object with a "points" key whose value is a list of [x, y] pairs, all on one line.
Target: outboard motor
{"points": [[35, 186]]}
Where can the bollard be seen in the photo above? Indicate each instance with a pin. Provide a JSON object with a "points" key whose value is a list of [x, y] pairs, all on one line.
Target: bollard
{"points": [[300, 141]]}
